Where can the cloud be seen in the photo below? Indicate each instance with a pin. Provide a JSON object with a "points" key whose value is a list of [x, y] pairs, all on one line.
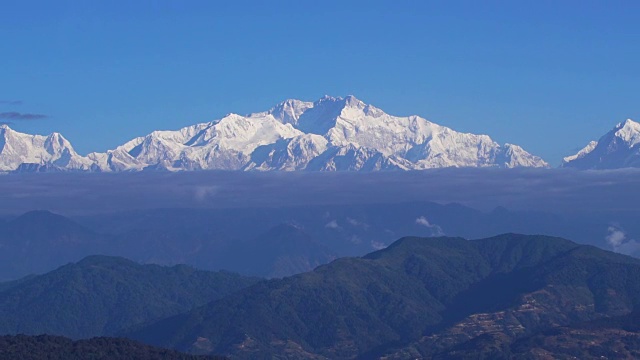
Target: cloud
{"points": [[423, 221], [357, 223], [377, 245], [618, 240], [615, 237], [12, 115], [10, 102], [333, 224], [355, 239], [435, 229], [560, 191]]}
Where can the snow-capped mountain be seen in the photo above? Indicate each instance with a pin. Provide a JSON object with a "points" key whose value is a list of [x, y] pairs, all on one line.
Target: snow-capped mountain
{"points": [[619, 148], [331, 134], [26, 152]]}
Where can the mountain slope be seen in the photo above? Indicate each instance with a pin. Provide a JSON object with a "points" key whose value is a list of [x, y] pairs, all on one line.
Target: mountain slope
{"points": [[101, 295], [619, 148], [331, 134], [608, 338], [416, 298]]}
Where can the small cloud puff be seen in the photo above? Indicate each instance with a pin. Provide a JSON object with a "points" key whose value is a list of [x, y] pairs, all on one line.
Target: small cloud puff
{"points": [[355, 222], [435, 229], [333, 224], [615, 236]]}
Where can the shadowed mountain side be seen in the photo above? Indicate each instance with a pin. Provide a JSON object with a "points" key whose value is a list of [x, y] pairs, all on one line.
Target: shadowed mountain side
{"points": [[418, 296], [101, 295], [39, 241]]}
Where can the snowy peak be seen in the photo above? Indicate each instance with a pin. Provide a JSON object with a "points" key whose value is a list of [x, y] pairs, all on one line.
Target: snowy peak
{"points": [[289, 111], [352, 102], [629, 123], [26, 152], [619, 148], [629, 132]]}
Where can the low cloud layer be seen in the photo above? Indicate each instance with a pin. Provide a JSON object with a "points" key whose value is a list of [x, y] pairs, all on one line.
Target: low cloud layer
{"points": [[10, 102], [12, 115], [557, 191]]}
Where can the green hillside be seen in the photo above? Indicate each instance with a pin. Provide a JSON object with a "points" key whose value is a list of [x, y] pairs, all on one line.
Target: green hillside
{"points": [[102, 295]]}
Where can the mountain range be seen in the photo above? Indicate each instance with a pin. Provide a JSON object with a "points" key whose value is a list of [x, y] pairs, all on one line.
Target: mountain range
{"points": [[331, 134], [506, 297]]}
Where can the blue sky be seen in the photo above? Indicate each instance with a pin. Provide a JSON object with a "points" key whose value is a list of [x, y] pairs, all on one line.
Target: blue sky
{"points": [[547, 75]]}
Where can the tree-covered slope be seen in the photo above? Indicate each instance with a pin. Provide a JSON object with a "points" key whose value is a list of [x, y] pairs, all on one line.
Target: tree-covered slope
{"points": [[417, 298], [101, 295]]}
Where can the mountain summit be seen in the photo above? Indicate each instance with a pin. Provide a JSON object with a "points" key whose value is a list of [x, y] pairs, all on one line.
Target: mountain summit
{"points": [[330, 134], [619, 148]]}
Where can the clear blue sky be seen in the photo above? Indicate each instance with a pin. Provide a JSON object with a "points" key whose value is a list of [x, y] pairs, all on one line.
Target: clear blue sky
{"points": [[547, 75]]}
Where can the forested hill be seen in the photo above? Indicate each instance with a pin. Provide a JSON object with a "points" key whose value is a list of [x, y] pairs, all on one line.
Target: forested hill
{"points": [[418, 298]]}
